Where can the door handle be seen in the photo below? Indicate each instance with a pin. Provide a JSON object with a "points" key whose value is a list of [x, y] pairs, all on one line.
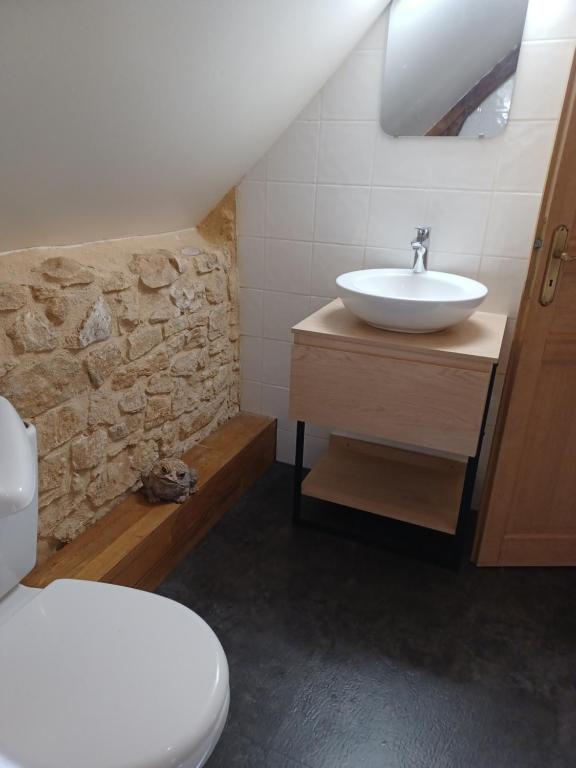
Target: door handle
{"points": [[557, 255]]}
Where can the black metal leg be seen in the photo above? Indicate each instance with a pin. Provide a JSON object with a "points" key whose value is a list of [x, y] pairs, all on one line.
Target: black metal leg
{"points": [[298, 470]]}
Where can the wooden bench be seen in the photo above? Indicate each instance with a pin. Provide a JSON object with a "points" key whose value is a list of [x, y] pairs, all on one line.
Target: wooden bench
{"points": [[139, 543]]}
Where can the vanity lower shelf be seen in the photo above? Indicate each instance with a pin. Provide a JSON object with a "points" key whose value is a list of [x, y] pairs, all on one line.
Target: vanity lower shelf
{"points": [[404, 485]]}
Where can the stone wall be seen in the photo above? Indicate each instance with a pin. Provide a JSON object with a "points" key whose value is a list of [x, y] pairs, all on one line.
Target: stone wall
{"points": [[119, 352]]}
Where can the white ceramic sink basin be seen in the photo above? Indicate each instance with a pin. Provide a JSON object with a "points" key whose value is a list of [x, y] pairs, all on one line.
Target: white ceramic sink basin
{"points": [[402, 300]]}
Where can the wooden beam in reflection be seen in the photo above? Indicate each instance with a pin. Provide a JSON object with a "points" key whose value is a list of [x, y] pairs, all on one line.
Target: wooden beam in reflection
{"points": [[452, 122]]}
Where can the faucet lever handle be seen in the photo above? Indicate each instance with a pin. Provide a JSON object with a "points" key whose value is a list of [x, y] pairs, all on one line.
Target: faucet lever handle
{"points": [[422, 234], [420, 247]]}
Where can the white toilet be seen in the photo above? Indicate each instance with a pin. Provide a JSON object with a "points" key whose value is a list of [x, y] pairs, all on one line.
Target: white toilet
{"points": [[94, 675]]}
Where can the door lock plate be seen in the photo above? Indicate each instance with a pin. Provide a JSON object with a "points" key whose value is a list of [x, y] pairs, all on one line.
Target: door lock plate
{"points": [[557, 255]]}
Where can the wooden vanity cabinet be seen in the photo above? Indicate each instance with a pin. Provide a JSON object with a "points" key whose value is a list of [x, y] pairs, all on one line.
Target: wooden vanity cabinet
{"points": [[428, 391]]}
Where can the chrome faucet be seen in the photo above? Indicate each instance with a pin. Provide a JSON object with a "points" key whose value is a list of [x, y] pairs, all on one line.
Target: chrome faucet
{"points": [[420, 246]]}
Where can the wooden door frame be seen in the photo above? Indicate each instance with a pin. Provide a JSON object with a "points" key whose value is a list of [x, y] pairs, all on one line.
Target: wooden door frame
{"points": [[558, 206]]}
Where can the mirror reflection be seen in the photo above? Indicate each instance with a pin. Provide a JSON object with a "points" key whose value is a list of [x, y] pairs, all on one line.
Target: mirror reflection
{"points": [[449, 66]]}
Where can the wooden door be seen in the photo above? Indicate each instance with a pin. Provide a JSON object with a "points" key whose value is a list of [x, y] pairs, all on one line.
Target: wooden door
{"points": [[528, 516]]}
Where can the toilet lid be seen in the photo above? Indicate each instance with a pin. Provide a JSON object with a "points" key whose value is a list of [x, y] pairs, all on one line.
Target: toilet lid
{"points": [[99, 676]]}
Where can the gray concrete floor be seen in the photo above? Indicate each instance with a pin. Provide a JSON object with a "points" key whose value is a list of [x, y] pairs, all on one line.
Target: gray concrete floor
{"points": [[347, 656]]}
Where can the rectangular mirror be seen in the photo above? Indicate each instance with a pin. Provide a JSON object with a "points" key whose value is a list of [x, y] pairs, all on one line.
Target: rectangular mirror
{"points": [[449, 66]]}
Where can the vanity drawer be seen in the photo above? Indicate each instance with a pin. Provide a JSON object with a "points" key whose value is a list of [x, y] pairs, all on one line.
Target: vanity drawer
{"points": [[419, 403]]}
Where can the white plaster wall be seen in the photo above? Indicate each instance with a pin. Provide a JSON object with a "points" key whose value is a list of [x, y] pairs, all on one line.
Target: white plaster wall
{"points": [[123, 117], [335, 194]]}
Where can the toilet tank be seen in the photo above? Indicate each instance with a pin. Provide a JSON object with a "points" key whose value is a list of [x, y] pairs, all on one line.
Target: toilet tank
{"points": [[18, 497]]}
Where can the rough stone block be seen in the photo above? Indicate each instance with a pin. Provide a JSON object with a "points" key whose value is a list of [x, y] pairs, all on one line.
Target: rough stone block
{"points": [[57, 426], [7, 364], [31, 333], [56, 511], [177, 343], [205, 262], [12, 297], [216, 286], [155, 268], [143, 456], [142, 341], [185, 397], [102, 362], [73, 525], [167, 442], [115, 281], [126, 308], [58, 309], [186, 364], [36, 387], [134, 421], [118, 431], [146, 366], [133, 401], [159, 384], [89, 450], [97, 326], [176, 325], [103, 409], [218, 323], [163, 313], [192, 422], [189, 339], [197, 337], [79, 482], [158, 410], [121, 446], [181, 261], [199, 319], [65, 271], [223, 379], [218, 347], [130, 424], [166, 437], [43, 292], [187, 296], [54, 474], [115, 478]]}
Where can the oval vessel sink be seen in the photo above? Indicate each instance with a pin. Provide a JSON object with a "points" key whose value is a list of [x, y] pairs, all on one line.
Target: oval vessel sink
{"points": [[403, 300]]}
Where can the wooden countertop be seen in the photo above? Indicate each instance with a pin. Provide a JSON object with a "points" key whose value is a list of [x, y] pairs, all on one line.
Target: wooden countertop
{"points": [[478, 339]]}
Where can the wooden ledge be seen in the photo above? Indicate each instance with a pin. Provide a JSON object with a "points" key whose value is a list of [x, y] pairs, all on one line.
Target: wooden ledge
{"points": [[139, 543]]}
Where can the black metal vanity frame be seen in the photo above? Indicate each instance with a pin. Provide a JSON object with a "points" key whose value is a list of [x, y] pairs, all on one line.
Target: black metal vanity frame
{"points": [[450, 549]]}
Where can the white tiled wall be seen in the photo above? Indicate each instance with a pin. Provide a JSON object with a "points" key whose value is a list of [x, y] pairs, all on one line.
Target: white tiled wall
{"points": [[335, 194], [491, 116]]}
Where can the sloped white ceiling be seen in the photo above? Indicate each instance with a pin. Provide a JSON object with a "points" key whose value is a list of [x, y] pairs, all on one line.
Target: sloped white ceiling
{"points": [[123, 117]]}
